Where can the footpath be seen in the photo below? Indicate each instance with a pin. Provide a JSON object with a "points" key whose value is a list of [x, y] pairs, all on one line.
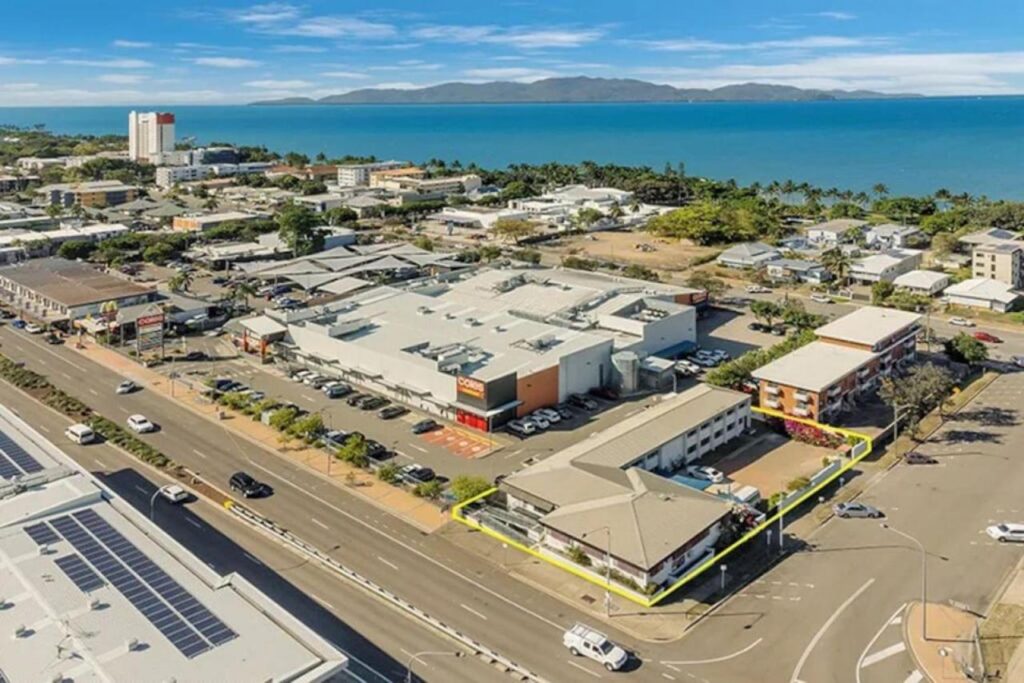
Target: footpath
{"points": [[421, 513]]}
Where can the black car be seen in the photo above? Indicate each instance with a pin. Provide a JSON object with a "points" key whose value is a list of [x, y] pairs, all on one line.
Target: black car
{"points": [[249, 487], [915, 458], [424, 426], [581, 401], [758, 327], [565, 412], [372, 403], [375, 450], [391, 412], [195, 355], [778, 330], [355, 398], [53, 339], [417, 474], [219, 280], [223, 383]]}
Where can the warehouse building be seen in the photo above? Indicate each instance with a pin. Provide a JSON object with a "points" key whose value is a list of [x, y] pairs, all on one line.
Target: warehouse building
{"points": [[484, 346], [611, 495], [94, 591]]}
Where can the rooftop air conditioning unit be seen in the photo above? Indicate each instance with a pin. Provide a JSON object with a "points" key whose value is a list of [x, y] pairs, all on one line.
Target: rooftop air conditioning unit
{"points": [[423, 310], [471, 322], [20, 631], [451, 368], [132, 644], [95, 604]]}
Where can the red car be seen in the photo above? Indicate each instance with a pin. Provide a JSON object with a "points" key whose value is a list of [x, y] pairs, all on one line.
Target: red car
{"points": [[986, 337]]}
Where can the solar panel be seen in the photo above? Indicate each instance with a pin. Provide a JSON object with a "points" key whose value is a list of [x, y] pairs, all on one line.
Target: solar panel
{"points": [[173, 627], [18, 455], [79, 572], [7, 468], [212, 628], [42, 534]]}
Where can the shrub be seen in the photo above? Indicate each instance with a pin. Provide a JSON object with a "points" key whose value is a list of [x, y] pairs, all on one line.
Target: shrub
{"points": [[798, 484], [810, 434], [578, 555], [428, 489], [283, 418], [388, 472], [464, 487]]}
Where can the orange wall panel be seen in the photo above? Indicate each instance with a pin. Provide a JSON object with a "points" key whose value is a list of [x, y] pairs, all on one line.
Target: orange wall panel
{"points": [[538, 390]]}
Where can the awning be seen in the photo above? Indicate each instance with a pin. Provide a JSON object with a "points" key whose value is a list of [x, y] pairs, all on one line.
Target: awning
{"points": [[487, 413]]}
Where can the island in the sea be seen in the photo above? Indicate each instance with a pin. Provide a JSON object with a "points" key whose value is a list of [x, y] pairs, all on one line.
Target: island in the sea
{"points": [[582, 89]]}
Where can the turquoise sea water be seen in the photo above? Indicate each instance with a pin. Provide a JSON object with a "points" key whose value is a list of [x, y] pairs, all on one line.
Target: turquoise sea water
{"points": [[915, 146]]}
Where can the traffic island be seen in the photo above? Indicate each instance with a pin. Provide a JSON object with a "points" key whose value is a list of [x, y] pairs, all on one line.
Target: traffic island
{"points": [[949, 652]]}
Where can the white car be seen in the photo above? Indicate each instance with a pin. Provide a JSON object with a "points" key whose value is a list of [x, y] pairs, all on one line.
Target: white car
{"points": [[550, 415], [689, 366], [32, 328], [585, 641], [173, 493], [1007, 531], [757, 289], [521, 427], [539, 420], [961, 322], [126, 387], [140, 424], [705, 473], [821, 298], [302, 375]]}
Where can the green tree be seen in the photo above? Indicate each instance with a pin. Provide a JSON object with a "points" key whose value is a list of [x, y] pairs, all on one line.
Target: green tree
{"points": [[159, 253], [881, 291], [837, 262], [307, 427], [514, 229], [389, 472], [465, 486], [700, 279], [282, 418], [76, 250], [921, 390], [527, 256], [638, 272], [429, 489], [354, 451], [299, 229], [586, 217], [340, 215], [964, 348], [768, 311], [423, 242], [489, 252], [944, 244], [242, 290], [181, 281], [845, 210]]}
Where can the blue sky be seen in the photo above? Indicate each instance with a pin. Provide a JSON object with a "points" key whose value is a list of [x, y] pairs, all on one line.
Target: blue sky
{"points": [[184, 51]]}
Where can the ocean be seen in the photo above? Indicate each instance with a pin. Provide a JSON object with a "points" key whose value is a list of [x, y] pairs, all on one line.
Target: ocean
{"points": [[915, 146]]}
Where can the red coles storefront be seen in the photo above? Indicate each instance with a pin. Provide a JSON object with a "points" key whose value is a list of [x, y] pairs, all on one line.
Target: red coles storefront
{"points": [[485, 405]]}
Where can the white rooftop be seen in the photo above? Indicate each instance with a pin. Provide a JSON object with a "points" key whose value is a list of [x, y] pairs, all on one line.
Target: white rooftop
{"points": [[814, 367], [920, 279], [983, 288], [878, 263], [868, 325], [72, 555]]}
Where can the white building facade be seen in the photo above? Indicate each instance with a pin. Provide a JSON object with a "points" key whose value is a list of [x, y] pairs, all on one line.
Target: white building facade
{"points": [[149, 134]]}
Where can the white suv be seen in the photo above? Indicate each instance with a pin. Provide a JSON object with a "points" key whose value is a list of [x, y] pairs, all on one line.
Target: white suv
{"points": [[140, 424], [550, 415]]}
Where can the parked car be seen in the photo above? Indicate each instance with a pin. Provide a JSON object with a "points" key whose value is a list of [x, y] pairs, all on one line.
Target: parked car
{"points": [[140, 424], [961, 322], [424, 426], [779, 330], [321, 382], [689, 366], [248, 486], [353, 399], [19, 324], [53, 339], [391, 412], [987, 338], [915, 458], [704, 361], [565, 411], [223, 383], [757, 289], [821, 298], [337, 390], [126, 387], [1018, 361], [80, 434], [417, 474], [254, 396], [758, 327], [301, 375], [32, 328], [855, 509], [705, 473], [312, 377], [585, 641], [539, 420], [607, 393], [749, 387], [173, 493], [195, 355], [549, 414], [1007, 531], [581, 401], [521, 428], [373, 402]]}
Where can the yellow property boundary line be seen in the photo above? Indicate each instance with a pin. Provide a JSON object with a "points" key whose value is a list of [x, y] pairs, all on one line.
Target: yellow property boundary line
{"points": [[707, 564]]}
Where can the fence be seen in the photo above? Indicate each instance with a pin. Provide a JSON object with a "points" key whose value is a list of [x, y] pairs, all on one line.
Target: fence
{"points": [[270, 528]]}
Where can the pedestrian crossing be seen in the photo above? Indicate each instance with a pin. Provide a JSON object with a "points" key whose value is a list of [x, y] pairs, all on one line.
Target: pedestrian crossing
{"points": [[886, 659]]}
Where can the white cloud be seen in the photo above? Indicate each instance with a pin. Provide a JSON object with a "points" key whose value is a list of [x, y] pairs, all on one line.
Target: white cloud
{"points": [[298, 49], [518, 36], [122, 79], [50, 96], [108, 63], [267, 13], [271, 84], [18, 87], [407, 65], [838, 16], [10, 61], [400, 85], [510, 74], [131, 44], [335, 27], [344, 74], [941, 73], [804, 43], [225, 62]]}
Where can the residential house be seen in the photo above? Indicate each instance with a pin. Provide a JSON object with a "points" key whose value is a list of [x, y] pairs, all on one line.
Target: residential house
{"points": [[885, 266], [748, 255], [890, 235], [835, 232], [984, 293], [797, 270], [926, 282]]}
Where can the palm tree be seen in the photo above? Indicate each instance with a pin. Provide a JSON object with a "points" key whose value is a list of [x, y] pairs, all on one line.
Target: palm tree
{"points": [[211, 204], [243, 290], [837, 262], [615, 212], [181, 281], [880, 189]]}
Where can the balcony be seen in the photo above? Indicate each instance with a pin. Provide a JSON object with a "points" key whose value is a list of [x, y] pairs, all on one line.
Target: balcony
{"points": [[772, 403], [835, 390], [771, 389], [802, 396], [863, 372], [910, 343], [802, 411]]}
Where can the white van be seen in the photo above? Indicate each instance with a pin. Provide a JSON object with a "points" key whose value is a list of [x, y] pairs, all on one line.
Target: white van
{"points": [[80, 434]]}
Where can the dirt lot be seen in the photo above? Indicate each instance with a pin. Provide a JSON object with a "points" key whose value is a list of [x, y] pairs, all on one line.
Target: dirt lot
{"points": [[771, 462], [626, 247]]}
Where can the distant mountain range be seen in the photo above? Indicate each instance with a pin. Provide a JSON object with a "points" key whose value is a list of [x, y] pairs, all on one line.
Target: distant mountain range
{"points": [[583, 89]]}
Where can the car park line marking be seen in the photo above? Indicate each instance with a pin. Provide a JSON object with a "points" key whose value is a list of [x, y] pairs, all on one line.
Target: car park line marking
{"points": [[200, 454], [307, 398], [795, 678], [318, 523], [583, 668], [714, 660], [419, 448], [101, 464], [668, 676], [883, 654], [470, 610], [394, 566], [914, 677], [674, 668], [252, 559], [194, 523], [45, 429], [141, 490], [67, 376], [94, 392], [322, 601]]}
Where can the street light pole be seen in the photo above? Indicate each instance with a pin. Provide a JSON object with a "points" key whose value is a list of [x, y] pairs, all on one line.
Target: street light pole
{"points": [[607, 568], [418, 657], [924, 576]]}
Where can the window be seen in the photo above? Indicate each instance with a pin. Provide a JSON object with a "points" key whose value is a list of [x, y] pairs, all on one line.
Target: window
{"points": [[691, 449], [718, 433], [704, 442], [692, 433]]}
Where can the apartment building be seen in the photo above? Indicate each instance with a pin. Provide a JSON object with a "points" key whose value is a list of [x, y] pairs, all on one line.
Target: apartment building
{"points": [[1000, 261], [356, 175], [96, 194], [822, 379], [149, 134], [205, 222], [387, 179]]}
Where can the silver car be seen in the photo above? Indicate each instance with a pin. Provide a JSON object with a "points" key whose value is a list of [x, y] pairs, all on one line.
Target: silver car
{"points": [[846, 510]]}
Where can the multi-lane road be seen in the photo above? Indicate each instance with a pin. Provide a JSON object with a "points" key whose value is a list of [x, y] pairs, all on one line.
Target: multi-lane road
{"points": [[827, 613]]}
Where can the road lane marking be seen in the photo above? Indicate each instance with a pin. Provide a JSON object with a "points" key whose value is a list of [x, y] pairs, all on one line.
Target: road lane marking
{"points": [[252, 559], [421, 450], [307, 398], [319, 523], [200, 454], [471, 610], [322, 601], [440, 565], [45, 429], [583, 668], [67, 376], [94, 392], [194, 523], [141, 490], [101, 464], [795, 678], [883, 654], [668, 676], [390, 564], [714, 660], [914, 677]]}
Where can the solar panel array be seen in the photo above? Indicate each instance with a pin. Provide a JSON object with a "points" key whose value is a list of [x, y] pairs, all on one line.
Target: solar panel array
{"points": [[42, 534], [182, 619], [15, 460], [80, 573]]}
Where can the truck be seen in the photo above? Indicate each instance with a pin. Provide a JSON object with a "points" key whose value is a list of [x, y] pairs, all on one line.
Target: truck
{"points": [[585, 641]]}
